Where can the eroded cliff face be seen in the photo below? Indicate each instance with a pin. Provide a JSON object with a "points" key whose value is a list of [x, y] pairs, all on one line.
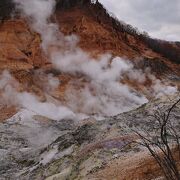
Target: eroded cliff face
{"points": [[97, 36], [20, 47]]}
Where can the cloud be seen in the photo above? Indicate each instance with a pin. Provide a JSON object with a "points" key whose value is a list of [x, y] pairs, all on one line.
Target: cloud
{"points": [[160, 18]]}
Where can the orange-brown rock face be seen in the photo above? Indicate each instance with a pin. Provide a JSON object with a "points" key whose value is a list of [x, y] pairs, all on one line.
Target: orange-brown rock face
{"points": [[21, 53], [97, 37], [19, 47]]}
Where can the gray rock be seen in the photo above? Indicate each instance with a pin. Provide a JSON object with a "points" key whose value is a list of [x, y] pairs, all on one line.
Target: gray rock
{"points": [[41, 148]]}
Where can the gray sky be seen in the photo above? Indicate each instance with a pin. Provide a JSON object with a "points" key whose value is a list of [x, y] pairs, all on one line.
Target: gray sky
{"points": [[160, 18]]}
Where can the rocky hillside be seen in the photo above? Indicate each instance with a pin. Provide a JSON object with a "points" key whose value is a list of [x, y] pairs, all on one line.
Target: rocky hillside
{"points": [[101, 32], [62, 84], [98, 32]]}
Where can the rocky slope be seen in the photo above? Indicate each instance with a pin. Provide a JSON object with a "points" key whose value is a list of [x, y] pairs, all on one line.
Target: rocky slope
{"points": [[98, 32], [42, 148]]}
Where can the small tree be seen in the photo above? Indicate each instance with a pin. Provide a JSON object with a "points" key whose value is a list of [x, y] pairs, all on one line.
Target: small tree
{"points": [[164, 144]]}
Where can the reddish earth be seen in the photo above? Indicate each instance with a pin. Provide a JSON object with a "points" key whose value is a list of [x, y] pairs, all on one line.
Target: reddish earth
{"points": [[21, 52], [20, 47], [98, 37], [137, 166], [6, 112]]}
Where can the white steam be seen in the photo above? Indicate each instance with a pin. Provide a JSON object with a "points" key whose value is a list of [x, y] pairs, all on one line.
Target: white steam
{"points": [[103, 93], [10, 96], [47, 82], [39, 12], [161, 88]]}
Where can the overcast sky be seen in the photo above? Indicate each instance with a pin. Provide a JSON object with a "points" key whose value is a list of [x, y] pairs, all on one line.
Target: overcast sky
{"points": [[160, 18]]}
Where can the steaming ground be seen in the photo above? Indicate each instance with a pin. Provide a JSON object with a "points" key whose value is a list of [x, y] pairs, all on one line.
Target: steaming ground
{"points": [[103, 94], [25, 100]]}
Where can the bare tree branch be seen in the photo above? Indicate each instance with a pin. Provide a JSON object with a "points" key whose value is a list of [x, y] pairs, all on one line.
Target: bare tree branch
{"points": [[160, 147]]}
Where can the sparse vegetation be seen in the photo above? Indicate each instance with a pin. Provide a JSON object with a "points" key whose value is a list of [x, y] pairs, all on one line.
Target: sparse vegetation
{"points": [[164, 144], [165, 48]]}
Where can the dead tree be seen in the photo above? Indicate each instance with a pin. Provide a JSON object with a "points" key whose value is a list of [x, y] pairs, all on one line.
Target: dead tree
{"points": [[164, 144]]}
